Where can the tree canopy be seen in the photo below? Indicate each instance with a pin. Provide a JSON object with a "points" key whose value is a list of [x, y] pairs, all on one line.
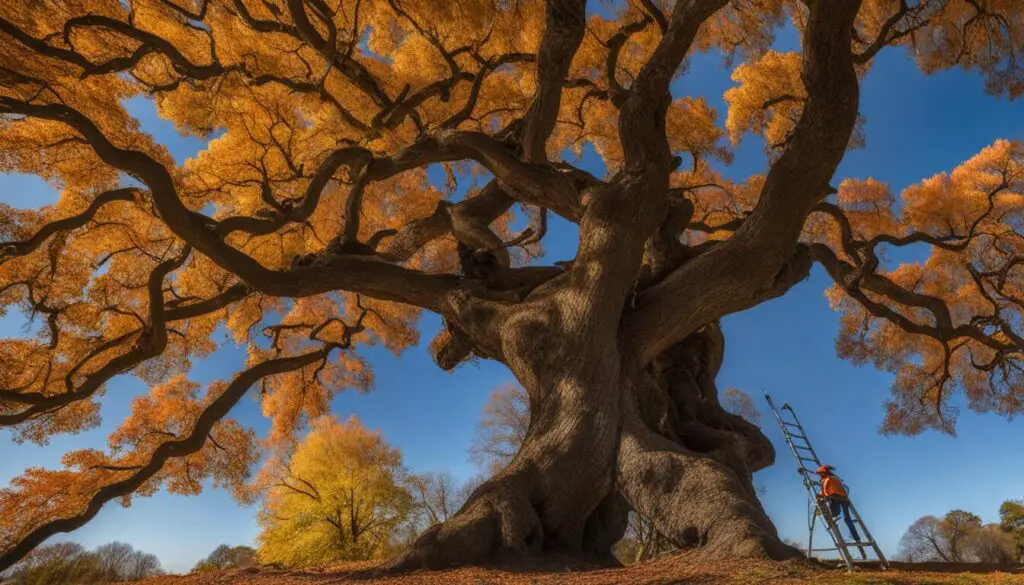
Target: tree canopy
{"points": [[338, 497], [310, 227]]}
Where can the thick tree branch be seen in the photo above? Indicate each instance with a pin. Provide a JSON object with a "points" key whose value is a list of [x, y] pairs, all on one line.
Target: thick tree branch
{"points": [[740, 272], [565, 25], [183, 447], [44, 402], [354, 273], [23, 247]]}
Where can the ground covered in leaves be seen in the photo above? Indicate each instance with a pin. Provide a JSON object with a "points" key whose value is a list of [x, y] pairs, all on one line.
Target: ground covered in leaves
{"points": [[680, 568]]}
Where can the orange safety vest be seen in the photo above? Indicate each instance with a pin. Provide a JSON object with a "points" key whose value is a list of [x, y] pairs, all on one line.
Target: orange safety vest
{"points": [[831, 486]]}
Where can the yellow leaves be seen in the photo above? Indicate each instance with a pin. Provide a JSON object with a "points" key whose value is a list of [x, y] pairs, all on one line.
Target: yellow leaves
{"points": [[337, 497], [768, 99]]}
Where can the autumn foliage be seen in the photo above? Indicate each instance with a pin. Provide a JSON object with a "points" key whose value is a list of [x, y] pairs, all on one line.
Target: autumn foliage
{"points": [[367, 161], [338, 497]]}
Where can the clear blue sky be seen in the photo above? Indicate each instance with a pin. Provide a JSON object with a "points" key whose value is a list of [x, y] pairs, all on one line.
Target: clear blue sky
{"points": [[916, 126]]}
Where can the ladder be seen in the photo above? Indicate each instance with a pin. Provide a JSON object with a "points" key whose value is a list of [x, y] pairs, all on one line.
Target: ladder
{"points": [[807, 465]]}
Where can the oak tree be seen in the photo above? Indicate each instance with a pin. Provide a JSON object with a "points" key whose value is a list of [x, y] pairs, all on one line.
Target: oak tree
{"points": [[310, 226]]}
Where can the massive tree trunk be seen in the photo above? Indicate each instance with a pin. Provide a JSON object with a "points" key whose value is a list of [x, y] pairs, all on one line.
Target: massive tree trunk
{"points": [[656, 441], [619, 354]]}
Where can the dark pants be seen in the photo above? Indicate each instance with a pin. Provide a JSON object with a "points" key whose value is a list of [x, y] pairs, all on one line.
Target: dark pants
{"points": [[837, 505]]}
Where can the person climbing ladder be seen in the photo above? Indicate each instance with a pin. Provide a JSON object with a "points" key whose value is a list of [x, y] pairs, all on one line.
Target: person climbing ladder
{"points": [[833, 490], [820, 492]]}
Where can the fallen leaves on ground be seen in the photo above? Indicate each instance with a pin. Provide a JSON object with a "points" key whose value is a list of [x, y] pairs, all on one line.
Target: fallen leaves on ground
{"points": [[681, 568]]}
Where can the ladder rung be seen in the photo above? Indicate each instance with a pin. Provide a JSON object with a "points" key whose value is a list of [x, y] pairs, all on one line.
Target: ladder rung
{"points": [[800, 444], [860, 544]]}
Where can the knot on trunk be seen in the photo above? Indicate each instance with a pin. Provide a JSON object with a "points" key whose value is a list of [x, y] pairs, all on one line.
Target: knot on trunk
{"points": [[450, 347]]}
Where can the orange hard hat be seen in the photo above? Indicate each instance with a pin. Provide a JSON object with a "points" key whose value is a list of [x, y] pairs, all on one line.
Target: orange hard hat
{"points": [[825, 469]]}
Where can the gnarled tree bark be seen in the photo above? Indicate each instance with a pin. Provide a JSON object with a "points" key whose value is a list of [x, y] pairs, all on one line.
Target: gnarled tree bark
{"points": [[619, 410], [618, 350], [657, 442]]}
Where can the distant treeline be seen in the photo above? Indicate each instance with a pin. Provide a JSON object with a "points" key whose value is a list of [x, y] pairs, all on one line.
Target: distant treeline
{"points": [[69, 563], [961, 537]]}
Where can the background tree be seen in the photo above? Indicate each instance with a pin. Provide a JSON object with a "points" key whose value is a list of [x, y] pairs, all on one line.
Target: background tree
{"points": [[228, 557], [437, 496], [957, 537], [310, 223], [958, 528], [62, 562], [338, 497], [924, 542], [741, 404], [118, 561], [1011, 519], [71, 564], [502, 428], [991, 544]]}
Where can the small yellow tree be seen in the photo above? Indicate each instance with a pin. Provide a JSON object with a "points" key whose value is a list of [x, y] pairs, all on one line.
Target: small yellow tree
{"points": [[337, 497]]}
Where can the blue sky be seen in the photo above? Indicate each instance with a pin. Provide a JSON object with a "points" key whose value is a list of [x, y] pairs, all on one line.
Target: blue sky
{"points": [[916, 126]]}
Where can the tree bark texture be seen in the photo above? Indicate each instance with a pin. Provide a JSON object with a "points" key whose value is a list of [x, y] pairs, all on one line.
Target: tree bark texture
{"points": [[619, 354], [618, 349], [656, 441]]}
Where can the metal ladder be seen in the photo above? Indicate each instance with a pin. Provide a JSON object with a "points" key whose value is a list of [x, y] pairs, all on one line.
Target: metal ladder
{"points": [[808, 463]]}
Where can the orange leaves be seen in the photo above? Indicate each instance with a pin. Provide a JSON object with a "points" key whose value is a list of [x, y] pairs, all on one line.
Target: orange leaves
{"points": [[169, 412], [691, 128], [956, 200], [869, 206], [982, 37], [168, 415], [948, 323], [39, 495], [768, 99], [745, 27]]}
